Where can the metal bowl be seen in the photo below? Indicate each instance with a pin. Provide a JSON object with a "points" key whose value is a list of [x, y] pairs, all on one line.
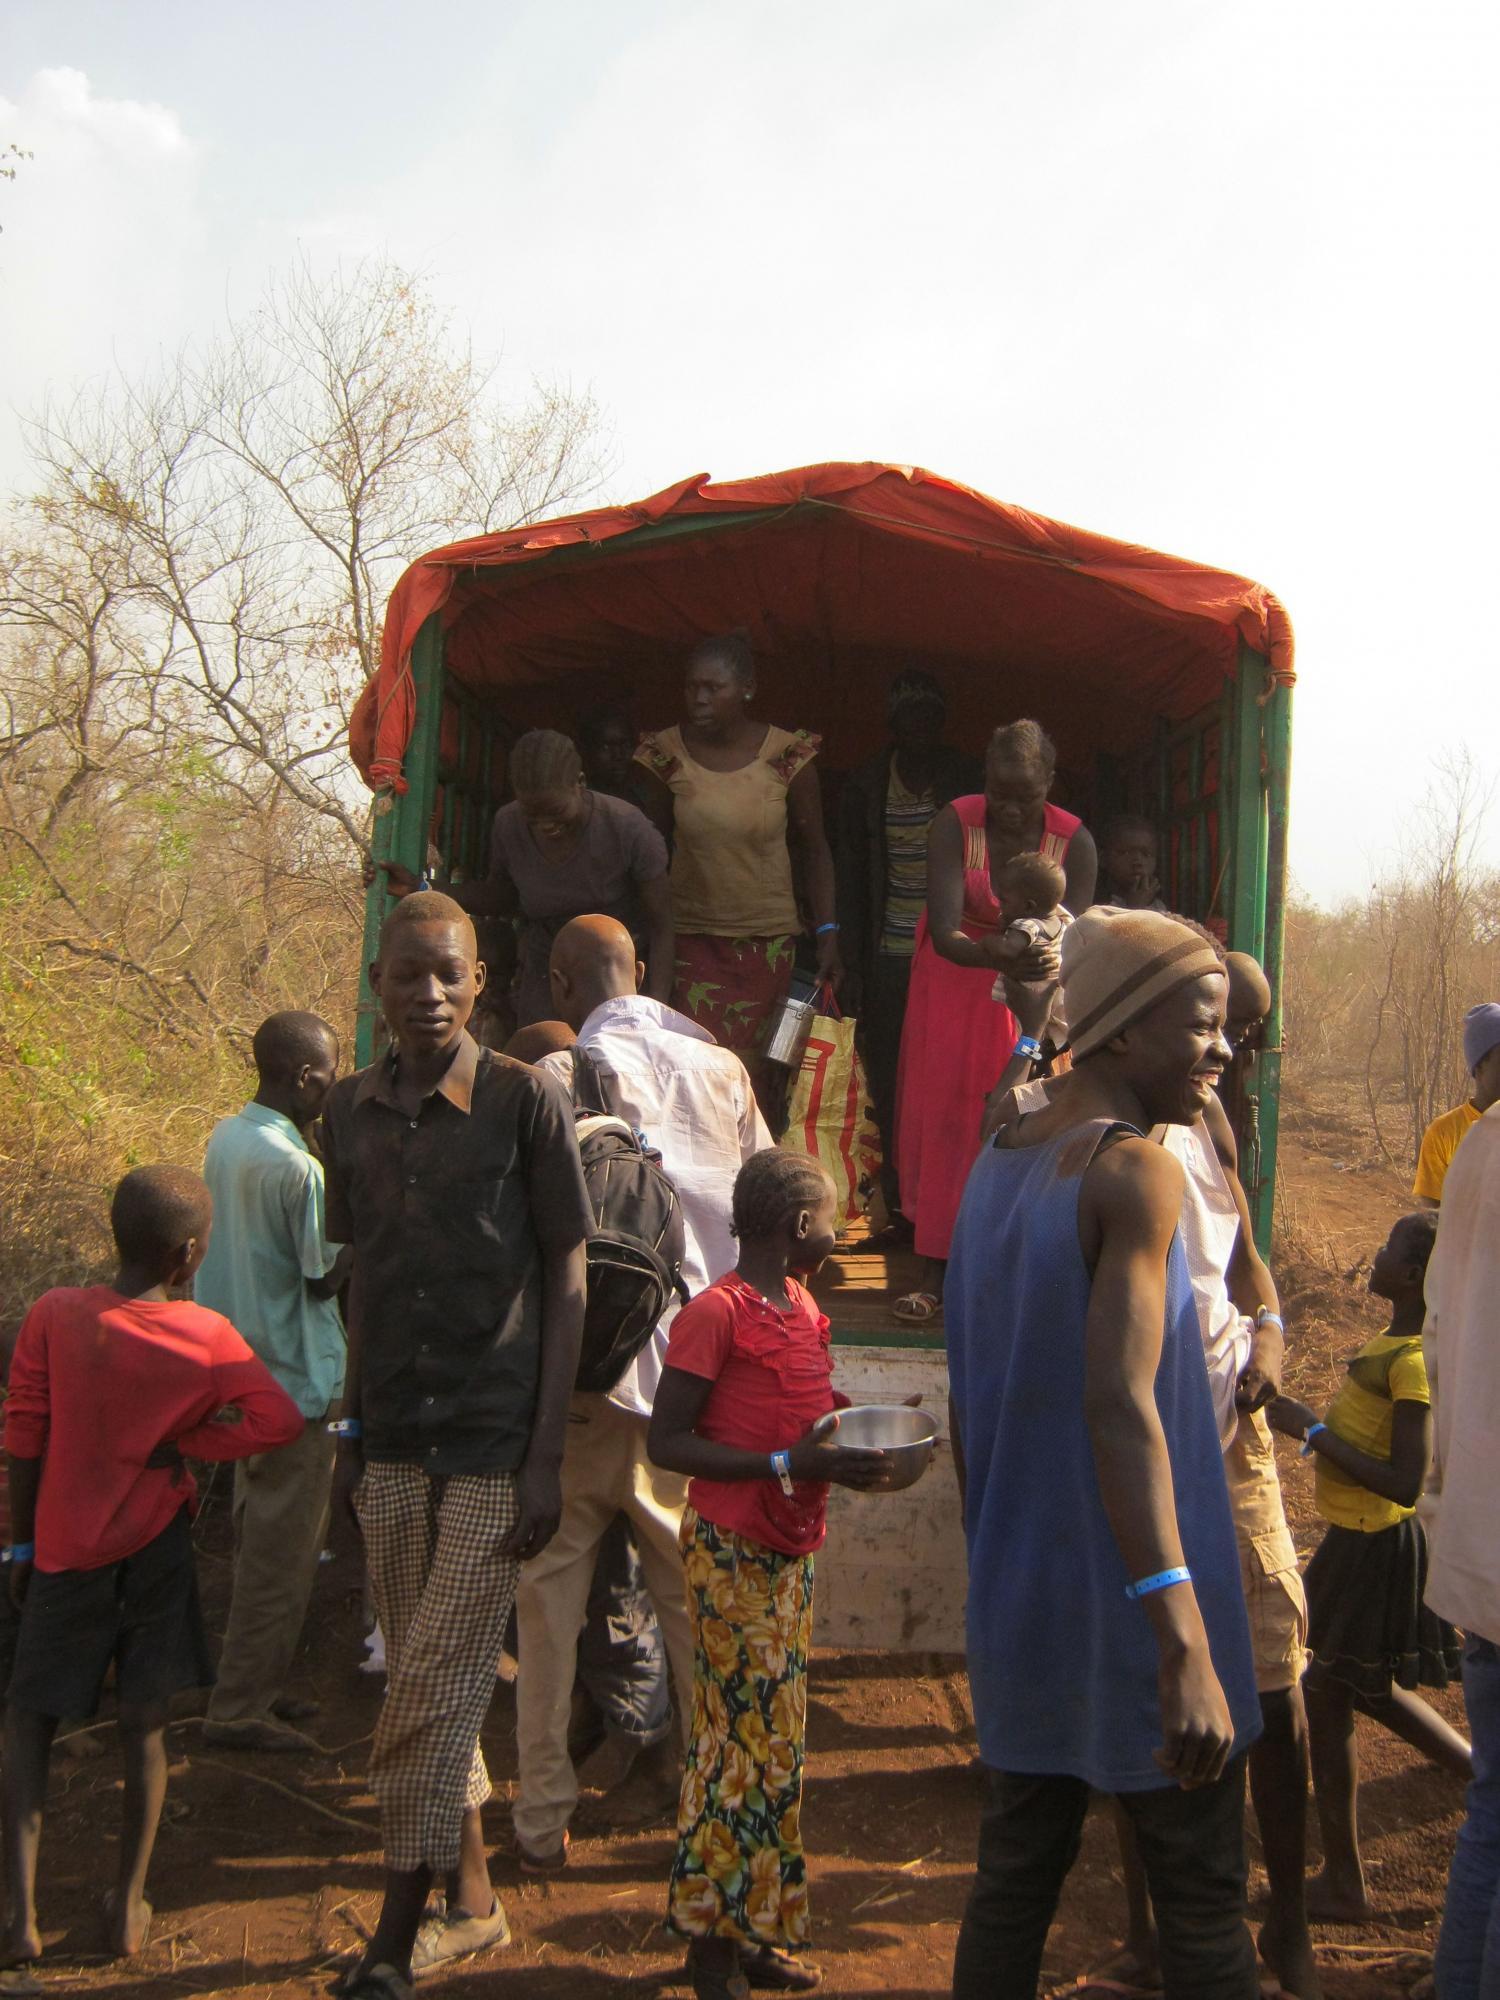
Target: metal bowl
{"points": [[905, 1435]]}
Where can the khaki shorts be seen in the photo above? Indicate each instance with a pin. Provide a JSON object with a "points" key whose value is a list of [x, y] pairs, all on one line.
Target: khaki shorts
{"points": [[1274, 1596]]}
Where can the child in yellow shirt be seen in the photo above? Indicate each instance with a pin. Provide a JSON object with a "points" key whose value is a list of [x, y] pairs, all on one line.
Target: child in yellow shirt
{"points": [[1371, 1638]]}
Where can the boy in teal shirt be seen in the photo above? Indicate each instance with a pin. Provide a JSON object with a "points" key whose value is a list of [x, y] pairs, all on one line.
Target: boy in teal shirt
{"points": [[271, 1271]]}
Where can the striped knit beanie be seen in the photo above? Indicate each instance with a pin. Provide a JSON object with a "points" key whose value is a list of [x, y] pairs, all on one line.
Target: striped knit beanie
{"points": [[1481, 1032], [1119, 964]]}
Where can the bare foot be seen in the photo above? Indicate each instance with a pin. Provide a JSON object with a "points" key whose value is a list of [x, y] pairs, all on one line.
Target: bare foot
{"points": [[21, 1944], [1289, 1954], [129, 1925], [1334, 1903], [1128, 1970]]}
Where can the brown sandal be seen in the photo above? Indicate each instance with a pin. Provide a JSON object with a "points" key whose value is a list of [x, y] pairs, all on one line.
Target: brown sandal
{"points": [[777, 1971]]}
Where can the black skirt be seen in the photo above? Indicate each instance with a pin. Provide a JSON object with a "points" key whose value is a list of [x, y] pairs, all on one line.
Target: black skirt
{"points": [[1368, 1627]]}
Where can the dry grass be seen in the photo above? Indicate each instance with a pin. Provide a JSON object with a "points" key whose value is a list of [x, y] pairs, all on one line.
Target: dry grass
{"points": [[104, 1067]]}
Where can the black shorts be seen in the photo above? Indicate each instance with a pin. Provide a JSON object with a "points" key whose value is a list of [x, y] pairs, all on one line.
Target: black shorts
{"points": [[140, 1616]]}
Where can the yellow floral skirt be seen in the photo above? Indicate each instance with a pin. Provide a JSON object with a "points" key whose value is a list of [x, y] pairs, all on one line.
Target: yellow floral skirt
{"points": [[739, 1870]]}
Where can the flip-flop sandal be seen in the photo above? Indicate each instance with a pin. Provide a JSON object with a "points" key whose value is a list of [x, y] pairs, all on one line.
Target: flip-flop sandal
{"points": [[894, 1236], [19, 1979], [776, 1971], [918, 1307], [374, 1982], [544, 1864]]}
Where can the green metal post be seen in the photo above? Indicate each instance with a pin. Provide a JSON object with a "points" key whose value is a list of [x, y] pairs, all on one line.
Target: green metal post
{"points": [[402, 820], [1278, 730], [1225, 802], [1246, 887], [1259, 760]]}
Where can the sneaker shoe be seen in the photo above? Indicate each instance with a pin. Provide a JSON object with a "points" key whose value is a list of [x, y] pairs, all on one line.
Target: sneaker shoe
{"points": [[292, 1708], [258, 1733], [455, 1934], [533, 1863]]}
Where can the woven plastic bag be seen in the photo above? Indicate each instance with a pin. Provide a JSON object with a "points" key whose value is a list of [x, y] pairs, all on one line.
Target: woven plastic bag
{"points": [[829, 1112]]}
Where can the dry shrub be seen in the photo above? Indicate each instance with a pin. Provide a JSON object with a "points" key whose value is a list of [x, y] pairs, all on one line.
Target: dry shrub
{"points": [[123, 1039]]}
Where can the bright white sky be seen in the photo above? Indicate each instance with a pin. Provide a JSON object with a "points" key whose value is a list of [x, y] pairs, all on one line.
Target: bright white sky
{"points": [[1215, 277]]}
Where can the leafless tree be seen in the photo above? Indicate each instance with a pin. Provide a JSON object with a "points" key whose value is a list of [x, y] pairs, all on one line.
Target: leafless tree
{"points": [[262, 496], [188, 606], [1432, 930]]}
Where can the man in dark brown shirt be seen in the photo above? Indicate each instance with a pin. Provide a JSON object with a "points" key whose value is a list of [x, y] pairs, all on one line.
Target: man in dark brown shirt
{"points": [[455, 1175]]}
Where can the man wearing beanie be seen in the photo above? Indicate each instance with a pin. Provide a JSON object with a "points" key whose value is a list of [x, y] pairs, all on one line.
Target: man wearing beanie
{"points": [[1107, 1637], [1443, 1136]]}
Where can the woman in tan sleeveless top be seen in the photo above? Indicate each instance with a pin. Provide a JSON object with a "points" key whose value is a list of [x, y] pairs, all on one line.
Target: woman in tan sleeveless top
{"points": [[733, 796]]}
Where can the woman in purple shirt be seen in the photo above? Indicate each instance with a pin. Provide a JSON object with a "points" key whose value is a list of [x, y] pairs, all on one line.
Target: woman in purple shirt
{"points": [[559, 850]]}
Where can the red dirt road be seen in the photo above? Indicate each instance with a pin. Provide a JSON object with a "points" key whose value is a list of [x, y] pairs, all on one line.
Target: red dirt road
{"points": [[258, 1890]]}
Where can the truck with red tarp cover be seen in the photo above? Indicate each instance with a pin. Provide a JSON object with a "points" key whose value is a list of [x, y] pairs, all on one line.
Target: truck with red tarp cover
{"points": [[1167, 686]]}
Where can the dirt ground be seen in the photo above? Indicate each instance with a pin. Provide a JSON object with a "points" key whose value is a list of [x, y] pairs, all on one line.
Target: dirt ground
{"points": [[268, 1866]]}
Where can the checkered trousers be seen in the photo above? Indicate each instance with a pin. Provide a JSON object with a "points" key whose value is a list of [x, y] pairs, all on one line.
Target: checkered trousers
{"points": [[443, 1594]]}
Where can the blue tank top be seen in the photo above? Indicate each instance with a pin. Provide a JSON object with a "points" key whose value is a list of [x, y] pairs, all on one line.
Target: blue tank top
{"points": [[1062, 1665]]}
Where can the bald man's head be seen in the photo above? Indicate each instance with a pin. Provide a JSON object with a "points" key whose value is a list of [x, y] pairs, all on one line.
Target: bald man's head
{"points": [[593, 960], [1249, 992]]}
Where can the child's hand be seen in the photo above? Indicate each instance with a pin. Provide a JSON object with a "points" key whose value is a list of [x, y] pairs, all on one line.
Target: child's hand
{"points": [[1291, 1418], [814, 1456]]}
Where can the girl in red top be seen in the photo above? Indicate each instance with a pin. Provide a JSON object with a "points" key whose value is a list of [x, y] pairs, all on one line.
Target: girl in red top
{"points": [[747, 1407]]}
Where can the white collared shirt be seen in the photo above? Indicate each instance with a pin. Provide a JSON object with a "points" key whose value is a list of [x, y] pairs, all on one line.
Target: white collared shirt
{"points": [[1463, 1372], [693, 1101]]}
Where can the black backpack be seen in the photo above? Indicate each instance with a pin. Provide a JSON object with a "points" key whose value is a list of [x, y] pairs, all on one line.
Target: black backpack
{"points": [[635, 1254]]}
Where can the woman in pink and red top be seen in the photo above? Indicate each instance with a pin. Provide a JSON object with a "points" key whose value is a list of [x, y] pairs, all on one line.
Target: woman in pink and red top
{"points": [[956, 1040], [746, 1407]]}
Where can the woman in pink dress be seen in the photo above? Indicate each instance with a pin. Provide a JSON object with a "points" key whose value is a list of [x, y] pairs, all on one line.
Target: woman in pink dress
{"points": [[957, 1039]]}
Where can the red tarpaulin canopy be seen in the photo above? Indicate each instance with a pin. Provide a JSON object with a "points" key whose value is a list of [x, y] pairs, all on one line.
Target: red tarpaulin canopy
{"points": [[841, 574]]}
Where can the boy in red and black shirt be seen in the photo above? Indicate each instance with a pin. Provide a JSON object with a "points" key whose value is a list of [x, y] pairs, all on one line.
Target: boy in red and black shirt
{"points": [[110, 1387]]}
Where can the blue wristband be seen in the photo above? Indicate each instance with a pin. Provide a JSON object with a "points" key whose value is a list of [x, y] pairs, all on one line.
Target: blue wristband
{"points": [[1312, 1432], [346, 1427], [781, 1465], [824, 929], [1163, 1580], [20, 1552], [1030, 1047]]}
